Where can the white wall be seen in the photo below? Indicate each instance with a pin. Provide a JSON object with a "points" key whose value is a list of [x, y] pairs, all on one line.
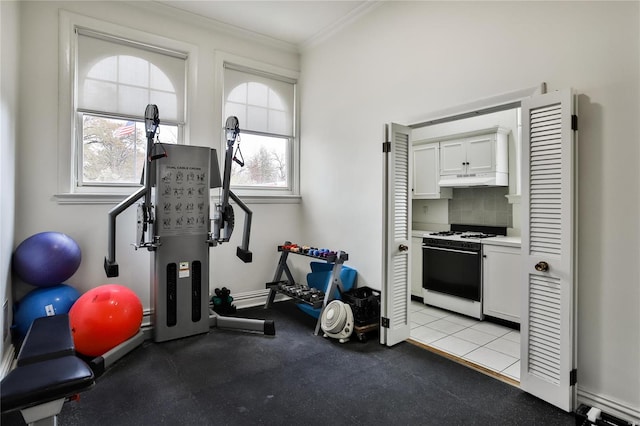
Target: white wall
{"points": [[37, 164], [9, 40], [405, 60]]}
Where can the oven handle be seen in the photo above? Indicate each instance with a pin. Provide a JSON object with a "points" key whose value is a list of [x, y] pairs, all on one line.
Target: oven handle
{"points": [[451, 250]]}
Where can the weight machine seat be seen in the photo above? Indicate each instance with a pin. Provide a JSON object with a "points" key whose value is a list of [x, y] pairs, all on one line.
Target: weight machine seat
{"points": [[48, 337], [46, 369], [45, 381]]}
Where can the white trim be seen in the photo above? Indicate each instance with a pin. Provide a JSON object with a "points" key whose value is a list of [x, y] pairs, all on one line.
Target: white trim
{"points": [[7, 361], [484, 105], [609, 405], [335, 27], [250, 299], [83, 198], [210, 24]]}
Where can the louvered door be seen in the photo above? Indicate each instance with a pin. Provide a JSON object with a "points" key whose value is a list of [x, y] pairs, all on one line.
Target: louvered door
{"points": [[548, 248], [396, 272]]}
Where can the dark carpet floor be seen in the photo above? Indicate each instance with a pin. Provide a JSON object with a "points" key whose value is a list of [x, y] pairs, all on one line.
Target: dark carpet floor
{"points": [[234, 378]]}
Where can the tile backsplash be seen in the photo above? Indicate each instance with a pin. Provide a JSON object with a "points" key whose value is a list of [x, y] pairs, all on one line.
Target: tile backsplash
{"points": [[481, 206]]}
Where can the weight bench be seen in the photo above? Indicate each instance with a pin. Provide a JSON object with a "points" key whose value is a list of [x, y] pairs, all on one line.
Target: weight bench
{"points": [[47, 373]]}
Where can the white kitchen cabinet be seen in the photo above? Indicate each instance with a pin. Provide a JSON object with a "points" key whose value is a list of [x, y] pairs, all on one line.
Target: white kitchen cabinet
{"points": [[416, 266], [426, 172], [501, 281], [483, 152]]}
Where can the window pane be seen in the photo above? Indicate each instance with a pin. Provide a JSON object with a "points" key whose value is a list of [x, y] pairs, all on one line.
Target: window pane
{"points": [[104, 94], [258, 94], [114, 151], [133, 71], [159, 80], [266, 162], [106, 69], [257, 117], [238, 94], [133, 100]]}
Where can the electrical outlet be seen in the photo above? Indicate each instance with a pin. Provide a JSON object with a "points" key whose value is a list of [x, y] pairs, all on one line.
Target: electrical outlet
{"points": [[425, 209]]}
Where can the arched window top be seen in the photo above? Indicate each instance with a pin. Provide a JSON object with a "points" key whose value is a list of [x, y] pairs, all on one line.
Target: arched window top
{"points": [[122, 79], [261, 103]]}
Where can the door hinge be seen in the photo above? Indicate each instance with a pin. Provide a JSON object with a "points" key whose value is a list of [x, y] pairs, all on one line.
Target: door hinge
{"points": [[574, 122], [573, 377], [386, 147], [384, 322]]}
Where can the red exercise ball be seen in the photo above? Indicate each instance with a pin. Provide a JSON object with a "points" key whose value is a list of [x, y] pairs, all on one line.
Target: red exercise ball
{"points": [[104, 317]]}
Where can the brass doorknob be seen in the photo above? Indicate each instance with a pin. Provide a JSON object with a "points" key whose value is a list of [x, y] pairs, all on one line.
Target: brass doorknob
{"points": [[402, 247], [542, 266]]}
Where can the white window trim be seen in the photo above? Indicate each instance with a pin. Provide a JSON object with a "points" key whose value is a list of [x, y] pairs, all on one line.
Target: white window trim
{"points": [[68, 191], [259, 195]]}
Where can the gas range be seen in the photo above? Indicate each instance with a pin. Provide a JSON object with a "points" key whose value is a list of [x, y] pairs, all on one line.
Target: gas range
{"points": [[452, 268]]}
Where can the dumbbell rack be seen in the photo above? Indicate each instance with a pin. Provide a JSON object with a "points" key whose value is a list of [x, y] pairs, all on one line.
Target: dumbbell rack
{"points": [[337, 259]]}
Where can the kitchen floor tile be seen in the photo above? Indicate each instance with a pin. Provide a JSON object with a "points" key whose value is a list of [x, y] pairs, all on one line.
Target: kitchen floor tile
{"points": [[494, 360], [446, 326], [475, 336], [454, 345], [490, 328], [513, 371], [505, 346], [435, 311], [461, 319], [415, 306], [485, 343], [513, 335], [426, 334], [422, 318]]}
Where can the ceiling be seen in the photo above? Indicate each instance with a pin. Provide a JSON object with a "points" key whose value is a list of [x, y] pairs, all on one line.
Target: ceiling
{"points": [[298, 22]]}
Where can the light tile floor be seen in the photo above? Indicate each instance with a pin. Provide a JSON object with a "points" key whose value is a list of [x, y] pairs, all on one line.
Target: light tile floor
{"points": [[487, 344]]}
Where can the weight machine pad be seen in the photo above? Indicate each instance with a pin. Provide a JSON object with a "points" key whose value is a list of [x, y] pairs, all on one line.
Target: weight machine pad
{"points": [[47, 338], [45, 381]]}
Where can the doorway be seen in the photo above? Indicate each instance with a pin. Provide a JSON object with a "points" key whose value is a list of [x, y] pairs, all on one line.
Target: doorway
{"points": [[548, 356]]}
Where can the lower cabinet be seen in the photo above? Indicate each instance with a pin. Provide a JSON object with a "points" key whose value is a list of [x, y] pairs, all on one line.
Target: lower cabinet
{"points": [[501, 282], [416, 266]]}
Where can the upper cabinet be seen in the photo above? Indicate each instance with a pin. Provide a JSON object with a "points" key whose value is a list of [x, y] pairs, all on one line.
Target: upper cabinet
{"points": [[475, 158], [426, 172]]}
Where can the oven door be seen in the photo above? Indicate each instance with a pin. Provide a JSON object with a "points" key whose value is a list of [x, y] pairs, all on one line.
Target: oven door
{"points": [[452, 271]]}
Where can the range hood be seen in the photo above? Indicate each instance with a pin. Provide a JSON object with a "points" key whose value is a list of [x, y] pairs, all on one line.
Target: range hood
{"points": [[474, 179]]}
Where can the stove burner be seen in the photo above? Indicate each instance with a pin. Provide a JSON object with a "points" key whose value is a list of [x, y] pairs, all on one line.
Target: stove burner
{"points": [[446, 233], [477, 235]]}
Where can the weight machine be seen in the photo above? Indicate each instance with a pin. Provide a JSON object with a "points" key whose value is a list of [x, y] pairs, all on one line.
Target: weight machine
{"points": [[173, 222]]}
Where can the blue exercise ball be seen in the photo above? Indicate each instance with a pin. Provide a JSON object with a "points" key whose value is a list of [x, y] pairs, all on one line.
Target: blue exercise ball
{"points": [[42, 302], [46, 259]]}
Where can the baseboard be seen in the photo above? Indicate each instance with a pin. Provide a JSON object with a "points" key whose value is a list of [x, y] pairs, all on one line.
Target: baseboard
{"points": [[250, 299], [7, 361], [609, 405]]}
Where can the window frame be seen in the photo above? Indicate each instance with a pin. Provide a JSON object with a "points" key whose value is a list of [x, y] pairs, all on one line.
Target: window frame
{"points": [[70, 120], [290, 194]]}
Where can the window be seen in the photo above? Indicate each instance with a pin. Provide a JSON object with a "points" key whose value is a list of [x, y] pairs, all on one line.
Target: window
{"points": [[265, 106], [116, 79]]}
